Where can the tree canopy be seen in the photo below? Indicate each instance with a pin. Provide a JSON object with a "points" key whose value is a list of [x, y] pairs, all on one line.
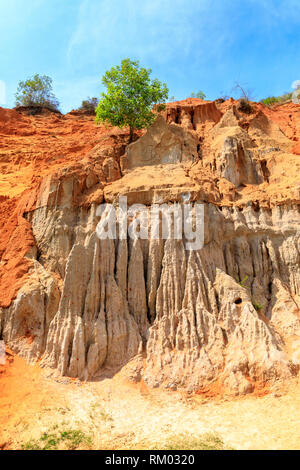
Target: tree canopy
{"points": [[130, 96], [36, 91]]}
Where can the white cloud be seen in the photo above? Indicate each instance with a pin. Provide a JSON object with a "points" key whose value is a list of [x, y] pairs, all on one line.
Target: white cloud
{"points": [[72, 92], [186, 42], [152, 29], [279, 10]]}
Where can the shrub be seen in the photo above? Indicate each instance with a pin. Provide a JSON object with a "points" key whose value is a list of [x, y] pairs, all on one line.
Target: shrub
{"points": [[200, 94], [89, 105], [130, 97], [245, 96], [36, 92], [244, 106], [270, 100]]}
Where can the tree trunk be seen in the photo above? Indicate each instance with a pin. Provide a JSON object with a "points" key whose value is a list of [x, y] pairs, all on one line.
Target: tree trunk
{"points": [[131, 134]]}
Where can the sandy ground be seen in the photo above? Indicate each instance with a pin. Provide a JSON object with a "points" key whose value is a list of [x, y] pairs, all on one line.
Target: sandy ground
{"points": [[120, 415]]}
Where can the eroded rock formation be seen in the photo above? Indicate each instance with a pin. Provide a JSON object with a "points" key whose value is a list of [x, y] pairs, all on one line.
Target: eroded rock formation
{"points": [[162, 144], [225, 316]]}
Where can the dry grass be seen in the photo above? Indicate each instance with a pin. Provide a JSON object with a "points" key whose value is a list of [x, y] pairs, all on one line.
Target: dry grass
{"points": [[67, 439], [208, 441]]}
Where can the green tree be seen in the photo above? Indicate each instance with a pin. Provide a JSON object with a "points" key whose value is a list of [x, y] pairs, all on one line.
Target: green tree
{"points": [[200, 94], [130, 97], [36, 91]]}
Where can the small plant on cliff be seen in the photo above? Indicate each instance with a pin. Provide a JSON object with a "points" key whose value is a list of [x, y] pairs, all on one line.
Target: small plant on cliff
{"points": [[130, 97], [242, 282], [257, 305], [245, 96], [36, 92], [244, 106]]}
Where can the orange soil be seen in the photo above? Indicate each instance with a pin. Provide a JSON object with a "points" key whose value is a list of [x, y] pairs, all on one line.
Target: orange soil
{"points": [[22, 392], [33, 147], [287, 116], [216, 390]]}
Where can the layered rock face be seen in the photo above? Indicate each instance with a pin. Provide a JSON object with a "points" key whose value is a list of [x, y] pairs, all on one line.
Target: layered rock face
{"points": [[160, 145], [224, 316], [193, 114]]}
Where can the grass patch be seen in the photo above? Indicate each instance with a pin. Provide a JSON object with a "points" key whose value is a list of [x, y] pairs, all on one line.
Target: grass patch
{"points": [[98, 411], [69, 439], [208, 441], [76, 439]]}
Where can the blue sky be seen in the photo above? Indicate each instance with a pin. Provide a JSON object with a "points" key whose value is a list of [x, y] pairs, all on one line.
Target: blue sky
{"points": [[190, 44]]}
